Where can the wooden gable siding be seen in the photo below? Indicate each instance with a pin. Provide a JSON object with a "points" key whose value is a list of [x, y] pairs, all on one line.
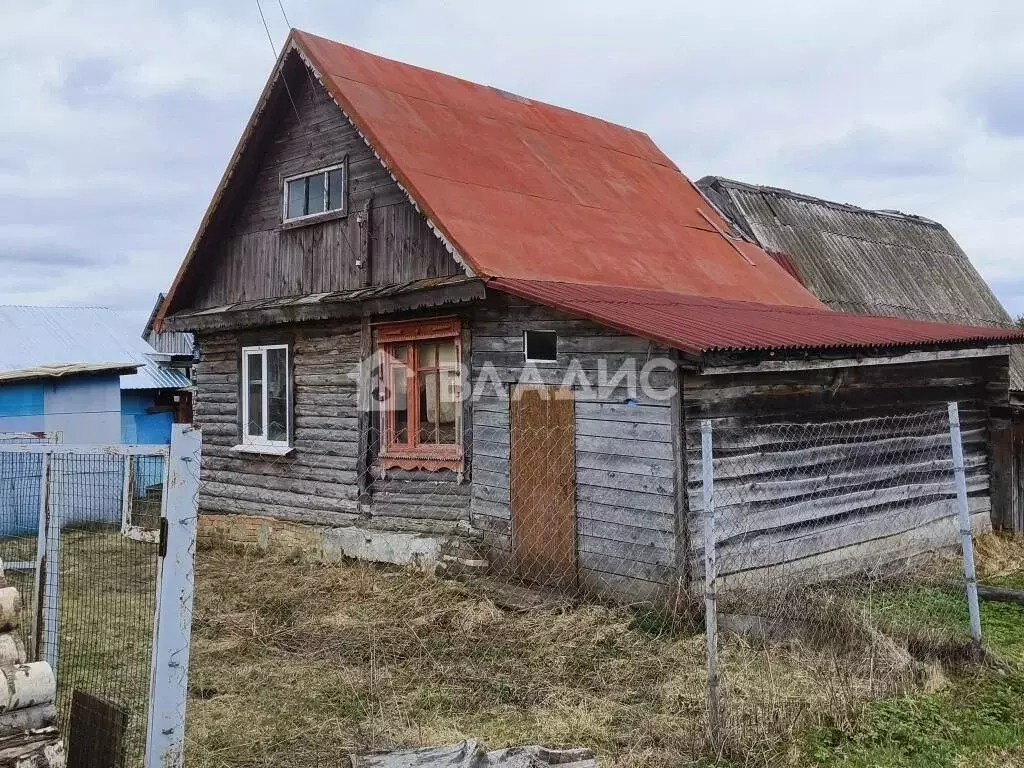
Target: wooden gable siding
{"points": [[317, 482], [626, 518], [777, 498], [250, 256]]}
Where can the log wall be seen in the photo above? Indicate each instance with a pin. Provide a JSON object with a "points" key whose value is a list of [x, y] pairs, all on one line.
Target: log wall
{"points": [[625, 487], [861, 480], [316, 482]]}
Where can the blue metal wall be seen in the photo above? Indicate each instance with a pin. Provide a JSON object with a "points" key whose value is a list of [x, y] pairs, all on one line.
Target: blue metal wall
{"points": [[84, 409], [139, 424]]}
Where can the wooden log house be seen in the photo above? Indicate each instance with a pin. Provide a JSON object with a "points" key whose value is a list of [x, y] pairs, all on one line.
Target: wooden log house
{"points": [[886, 263], [494, 262]]}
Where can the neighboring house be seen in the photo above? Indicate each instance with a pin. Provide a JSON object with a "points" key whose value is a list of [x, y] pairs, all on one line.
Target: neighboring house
{"points": [[378, 211], [83, 373], [178, 353], [883, 263], [77, 375]]}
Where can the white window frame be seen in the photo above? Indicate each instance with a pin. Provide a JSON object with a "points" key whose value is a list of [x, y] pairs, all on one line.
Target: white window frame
{"points": [[529, 359], [261, 441], [327, 195]]}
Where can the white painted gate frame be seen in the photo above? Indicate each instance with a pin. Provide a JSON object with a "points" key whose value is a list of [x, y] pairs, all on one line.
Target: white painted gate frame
{"points": [[172, 628]]}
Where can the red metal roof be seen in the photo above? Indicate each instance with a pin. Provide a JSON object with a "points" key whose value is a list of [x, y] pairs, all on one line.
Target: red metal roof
{"points": [[578, 213], [532, 191], [697, 324]]}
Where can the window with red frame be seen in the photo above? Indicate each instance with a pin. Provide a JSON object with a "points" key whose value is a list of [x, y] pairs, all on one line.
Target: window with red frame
{"points": [[422, 414]]}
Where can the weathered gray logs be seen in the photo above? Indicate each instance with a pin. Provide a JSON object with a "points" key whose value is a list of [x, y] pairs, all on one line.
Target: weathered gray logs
{"points": [[12, 649], [32, 749], [10, 608], [26, 685], [31, 719]]}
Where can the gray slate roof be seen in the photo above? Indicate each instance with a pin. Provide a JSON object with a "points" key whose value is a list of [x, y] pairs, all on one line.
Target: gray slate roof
{"points": [[865, 261], [32, 338]]}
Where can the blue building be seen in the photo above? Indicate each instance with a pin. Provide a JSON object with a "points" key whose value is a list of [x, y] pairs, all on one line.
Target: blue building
{"points": [[79, 375]]}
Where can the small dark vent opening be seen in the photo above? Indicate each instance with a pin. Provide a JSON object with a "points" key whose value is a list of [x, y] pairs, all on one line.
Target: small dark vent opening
{"points": [[541, 345]]}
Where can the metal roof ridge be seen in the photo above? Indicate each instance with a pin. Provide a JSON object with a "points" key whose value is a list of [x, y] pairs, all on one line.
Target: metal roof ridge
{"points": [[889, 213]]}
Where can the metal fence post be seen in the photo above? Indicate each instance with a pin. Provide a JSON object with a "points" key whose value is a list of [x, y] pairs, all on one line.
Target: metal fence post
{"points": [[46, 617], [964, 516], [710, 577], [168, 690]]}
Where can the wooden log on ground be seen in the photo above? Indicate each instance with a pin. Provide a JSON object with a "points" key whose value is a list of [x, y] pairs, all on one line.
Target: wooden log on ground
{"points": [[31, 719], [12, 649], [10, 608], [33, 749], [1000, 595], [26, 685]]}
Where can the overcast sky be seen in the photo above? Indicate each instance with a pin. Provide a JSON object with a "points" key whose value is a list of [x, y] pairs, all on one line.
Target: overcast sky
{"points": [[119, 116]]}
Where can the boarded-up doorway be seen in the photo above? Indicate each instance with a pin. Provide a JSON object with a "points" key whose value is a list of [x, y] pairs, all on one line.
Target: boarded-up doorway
{"points": [[543, 484]]}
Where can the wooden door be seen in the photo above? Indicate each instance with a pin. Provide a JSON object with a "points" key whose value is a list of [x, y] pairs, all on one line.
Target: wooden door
{"points": [[543, 484]]}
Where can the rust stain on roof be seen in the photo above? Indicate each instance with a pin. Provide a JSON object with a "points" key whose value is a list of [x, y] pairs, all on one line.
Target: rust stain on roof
{"points": [[699, 324]]}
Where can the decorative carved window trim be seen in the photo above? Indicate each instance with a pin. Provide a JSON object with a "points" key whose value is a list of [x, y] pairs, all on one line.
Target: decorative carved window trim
{"points": [[411, 454]]}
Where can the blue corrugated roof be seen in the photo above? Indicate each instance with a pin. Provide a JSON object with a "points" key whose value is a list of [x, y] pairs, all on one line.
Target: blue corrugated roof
{"points": [[31, 337]]}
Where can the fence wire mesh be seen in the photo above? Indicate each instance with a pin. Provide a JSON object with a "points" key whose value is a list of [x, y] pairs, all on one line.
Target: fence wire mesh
{"points": [[542, 580], [837, 563], [20, 476], [88, 590]]}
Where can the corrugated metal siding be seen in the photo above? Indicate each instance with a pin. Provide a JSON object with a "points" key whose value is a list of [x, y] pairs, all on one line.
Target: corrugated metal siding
{"points": [[171, 343], [867, 262], [697, 324], [38, 336]]}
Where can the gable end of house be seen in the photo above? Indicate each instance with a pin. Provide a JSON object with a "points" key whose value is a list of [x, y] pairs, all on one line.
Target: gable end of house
{"points": [[249, 246]]}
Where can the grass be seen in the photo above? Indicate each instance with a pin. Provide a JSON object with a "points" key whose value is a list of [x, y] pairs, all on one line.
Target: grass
{"points": [[975, 719], [295, 664]]}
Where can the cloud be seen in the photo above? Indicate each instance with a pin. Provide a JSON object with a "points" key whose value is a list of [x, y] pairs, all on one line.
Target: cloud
{"points": [[120, 117], [871, 151]]}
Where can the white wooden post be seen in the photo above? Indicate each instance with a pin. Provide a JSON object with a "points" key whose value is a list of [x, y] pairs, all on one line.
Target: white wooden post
{"points": [[126, 494], [46, 617], [964, 517], [168, 690], [710, 576]]}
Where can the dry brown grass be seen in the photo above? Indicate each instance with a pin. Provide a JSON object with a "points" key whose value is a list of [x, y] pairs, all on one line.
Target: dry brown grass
{"points": [[999, 554], [295, 664]]}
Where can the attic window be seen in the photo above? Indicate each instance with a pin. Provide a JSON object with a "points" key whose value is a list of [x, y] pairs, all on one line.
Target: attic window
{"points": [[314, 194]]}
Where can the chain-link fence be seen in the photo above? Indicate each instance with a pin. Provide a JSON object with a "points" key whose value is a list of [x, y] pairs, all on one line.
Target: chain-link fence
{"points": [[82, 534], [19, 519], [833, 563], [567, 601]]}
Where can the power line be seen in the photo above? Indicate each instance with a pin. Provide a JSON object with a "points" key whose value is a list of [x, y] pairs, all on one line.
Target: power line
{"points": [[284, 78], [280, 4]]}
